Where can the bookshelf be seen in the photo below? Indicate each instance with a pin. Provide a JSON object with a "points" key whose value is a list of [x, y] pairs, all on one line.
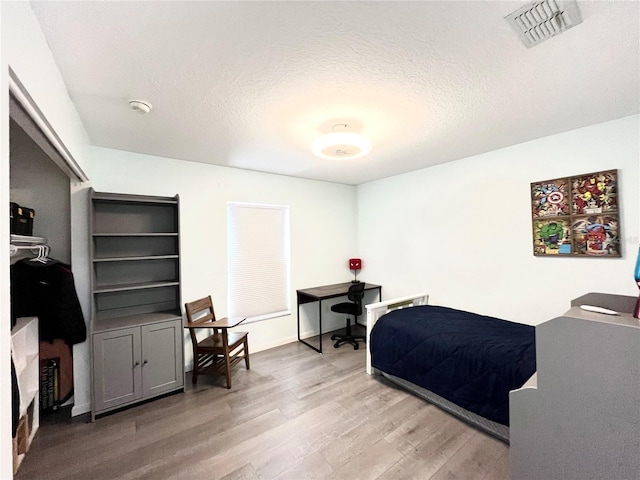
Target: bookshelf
{"points": [[136, 320]]}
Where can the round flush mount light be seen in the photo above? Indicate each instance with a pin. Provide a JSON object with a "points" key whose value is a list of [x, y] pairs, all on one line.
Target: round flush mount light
{"points": [[341, 143], [139, 106]]}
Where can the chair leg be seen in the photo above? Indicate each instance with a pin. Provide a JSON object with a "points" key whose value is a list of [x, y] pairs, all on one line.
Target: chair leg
{"points": [[246, 353], [227, 369], [194, 372], [347, 337]]}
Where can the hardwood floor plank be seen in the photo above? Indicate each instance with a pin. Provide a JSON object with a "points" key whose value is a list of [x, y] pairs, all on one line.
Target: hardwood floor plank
{"points": [[501, 469], [478, 456], [295, 415], [424, 459], [167, 458], [381, 414], [371, 462], [246, 472], [312, 467]]}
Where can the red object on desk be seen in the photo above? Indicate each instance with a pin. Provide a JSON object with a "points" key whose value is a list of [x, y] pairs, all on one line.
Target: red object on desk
{"points": [[355, 264]]}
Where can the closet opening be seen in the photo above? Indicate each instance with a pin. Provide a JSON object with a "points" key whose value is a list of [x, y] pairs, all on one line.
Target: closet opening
{"points": [[41, 170]]}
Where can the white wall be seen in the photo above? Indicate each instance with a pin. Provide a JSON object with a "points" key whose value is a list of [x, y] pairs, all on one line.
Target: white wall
{"points": [[37, 182], [462, 230], [322, 215], [443, 229], [6, 455], [24, 49]]}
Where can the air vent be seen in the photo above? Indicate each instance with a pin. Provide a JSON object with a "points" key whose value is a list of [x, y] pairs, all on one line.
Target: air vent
{"points": [[537, 21]]}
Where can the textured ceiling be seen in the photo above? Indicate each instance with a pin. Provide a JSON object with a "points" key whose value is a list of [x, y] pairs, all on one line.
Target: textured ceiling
{"points": [[252, 84]]}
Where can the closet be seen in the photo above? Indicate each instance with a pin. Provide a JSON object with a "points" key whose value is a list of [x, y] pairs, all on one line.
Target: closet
{"points": [[40, 179]]}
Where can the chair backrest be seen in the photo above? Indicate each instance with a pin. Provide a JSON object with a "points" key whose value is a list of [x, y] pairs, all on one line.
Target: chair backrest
{"points": [[356, 292], [199, 311]]}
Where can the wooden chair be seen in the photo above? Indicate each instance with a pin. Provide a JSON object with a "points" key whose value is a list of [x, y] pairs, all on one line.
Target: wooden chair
{"points": [[218, 352]]}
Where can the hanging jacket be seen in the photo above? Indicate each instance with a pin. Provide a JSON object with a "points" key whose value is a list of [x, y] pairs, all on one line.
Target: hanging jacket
{"points": [[48, 291], [15, 401]]}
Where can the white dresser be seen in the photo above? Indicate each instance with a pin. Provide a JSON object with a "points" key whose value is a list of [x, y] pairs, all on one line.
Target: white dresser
{"points": [[24, 351]]}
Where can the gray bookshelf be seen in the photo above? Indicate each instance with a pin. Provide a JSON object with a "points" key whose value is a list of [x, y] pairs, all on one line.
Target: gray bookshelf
{"points": [[136, 319]]}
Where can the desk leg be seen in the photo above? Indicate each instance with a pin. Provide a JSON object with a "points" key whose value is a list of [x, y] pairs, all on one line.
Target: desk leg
{"points": [[319, 350], [299, 339], [320, 322]]}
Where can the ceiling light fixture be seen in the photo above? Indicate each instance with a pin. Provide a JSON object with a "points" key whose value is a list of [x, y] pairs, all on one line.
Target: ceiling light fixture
{"points": [[341, 143], [139, 106]]}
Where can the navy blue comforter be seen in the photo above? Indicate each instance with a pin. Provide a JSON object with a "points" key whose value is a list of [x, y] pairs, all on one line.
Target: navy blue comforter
{"points": [[469, 359]]}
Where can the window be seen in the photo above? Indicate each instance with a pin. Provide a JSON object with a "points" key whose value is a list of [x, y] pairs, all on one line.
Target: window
{"points": [[258, 260]]}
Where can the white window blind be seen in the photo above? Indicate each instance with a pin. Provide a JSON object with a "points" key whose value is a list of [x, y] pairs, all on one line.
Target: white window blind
{"points": [[258, 260]]}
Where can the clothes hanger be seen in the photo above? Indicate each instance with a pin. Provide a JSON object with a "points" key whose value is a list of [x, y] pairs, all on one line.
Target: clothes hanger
{"points": [[39, 256], [42, 254]]}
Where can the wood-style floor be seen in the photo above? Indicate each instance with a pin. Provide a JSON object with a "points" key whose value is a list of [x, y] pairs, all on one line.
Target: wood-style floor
{"points": [[295, 415]]}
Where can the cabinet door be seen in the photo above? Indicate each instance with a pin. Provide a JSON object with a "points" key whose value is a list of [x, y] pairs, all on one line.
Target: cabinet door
{"points": [[117, 369], [162, 358]]}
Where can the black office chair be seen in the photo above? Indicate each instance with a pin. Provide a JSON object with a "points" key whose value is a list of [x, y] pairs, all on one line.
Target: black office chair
{"points": [[353, 307]]}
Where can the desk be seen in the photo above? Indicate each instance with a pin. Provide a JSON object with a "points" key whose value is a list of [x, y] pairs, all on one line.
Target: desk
{"points": [[318, 294], [222, 323]]}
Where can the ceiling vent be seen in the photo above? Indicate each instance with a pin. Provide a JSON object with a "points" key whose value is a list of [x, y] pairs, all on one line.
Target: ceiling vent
{"points": [[537, 21]]}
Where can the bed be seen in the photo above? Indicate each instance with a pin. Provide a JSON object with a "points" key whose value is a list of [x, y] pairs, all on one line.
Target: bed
{"points": [[461, 361]]}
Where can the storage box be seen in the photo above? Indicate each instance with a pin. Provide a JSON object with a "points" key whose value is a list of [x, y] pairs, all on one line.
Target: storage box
{"points": [[21, 219], [49, 383], [15, 455], [22, 436]]}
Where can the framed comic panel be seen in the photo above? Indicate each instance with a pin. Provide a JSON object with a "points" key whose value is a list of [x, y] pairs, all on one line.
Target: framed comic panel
{"points": [[596, 235], [552, 236], [576, 216]]}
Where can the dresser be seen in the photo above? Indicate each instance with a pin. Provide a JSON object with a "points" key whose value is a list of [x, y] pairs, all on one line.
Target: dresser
{"points": [[24, 351], [578, 417]]}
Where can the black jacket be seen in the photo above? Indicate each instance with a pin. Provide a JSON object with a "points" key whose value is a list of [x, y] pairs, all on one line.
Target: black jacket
{"points": [[15, 401], [48, 292]]}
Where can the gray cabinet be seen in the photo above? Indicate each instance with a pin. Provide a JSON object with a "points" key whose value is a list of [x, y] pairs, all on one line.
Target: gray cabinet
{"points": [[136, 320], [162, 369], [579, 416], [116, 368], [136, 363]]}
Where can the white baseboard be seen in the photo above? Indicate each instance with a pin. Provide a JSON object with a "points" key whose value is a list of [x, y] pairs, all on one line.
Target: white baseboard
{"points": [[267, 346], [80, 409], [284, 341]]}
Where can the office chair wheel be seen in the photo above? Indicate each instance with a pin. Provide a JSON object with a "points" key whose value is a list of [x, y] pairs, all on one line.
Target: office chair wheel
{"points": [[336, 345], [356, 346]]}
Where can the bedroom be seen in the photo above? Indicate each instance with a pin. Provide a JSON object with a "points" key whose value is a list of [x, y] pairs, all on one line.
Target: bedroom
{"points": [[481, 250]]}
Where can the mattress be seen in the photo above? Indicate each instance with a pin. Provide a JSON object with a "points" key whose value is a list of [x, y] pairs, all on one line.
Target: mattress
{"points": [[470, 360]]}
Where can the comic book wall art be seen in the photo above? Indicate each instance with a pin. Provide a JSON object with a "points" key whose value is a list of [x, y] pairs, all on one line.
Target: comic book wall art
{"points": [[551, 236], [576, 216], [551, 198]]}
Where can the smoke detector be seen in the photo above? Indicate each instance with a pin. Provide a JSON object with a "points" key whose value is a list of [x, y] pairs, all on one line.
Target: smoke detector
{"points": [[139, 106], [538, 21]]}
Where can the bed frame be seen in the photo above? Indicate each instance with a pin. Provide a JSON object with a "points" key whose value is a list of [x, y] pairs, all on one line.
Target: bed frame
{"points": [[377, 310]]}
